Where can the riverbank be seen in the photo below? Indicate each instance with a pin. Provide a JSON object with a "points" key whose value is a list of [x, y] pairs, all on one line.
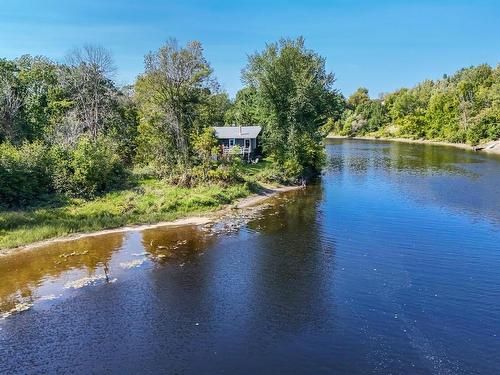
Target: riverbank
{"points": [[208, 204], [492, 147]]}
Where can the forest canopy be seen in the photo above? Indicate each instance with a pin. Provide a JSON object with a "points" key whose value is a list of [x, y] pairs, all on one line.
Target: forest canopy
{"points": [[461, 108], [68, 130]]}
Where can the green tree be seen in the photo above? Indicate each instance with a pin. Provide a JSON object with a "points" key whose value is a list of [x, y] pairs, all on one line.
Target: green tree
{"points": [[245, 110], [175, 86], [122, 125], [212, 110], [26, 84], [296, 97], [442, 116], [358, 98], [205, 150]]}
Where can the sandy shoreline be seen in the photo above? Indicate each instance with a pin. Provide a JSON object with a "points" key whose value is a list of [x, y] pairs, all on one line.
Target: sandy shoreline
{"points": [[251, 200], [495, 145]]}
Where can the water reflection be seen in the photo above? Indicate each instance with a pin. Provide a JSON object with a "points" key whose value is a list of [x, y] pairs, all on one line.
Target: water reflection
{"points": [[449, 177], [360, 157], [389, 266], [46, 273], [24, 274], [292, 282]]}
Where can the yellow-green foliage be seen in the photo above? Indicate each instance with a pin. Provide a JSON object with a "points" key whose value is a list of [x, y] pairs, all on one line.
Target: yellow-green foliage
{"points": [[464, 107], [91, 168]]}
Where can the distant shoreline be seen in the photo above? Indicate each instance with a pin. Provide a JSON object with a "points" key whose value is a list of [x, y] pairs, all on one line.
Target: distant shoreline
{"points": [[483, 148]]}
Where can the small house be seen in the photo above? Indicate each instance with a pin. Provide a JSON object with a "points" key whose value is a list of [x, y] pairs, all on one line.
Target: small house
{"points": [[245, 137]]}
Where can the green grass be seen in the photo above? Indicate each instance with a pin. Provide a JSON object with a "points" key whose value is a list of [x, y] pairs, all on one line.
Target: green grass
{"points": [[260, 175], [254, 170], [149, 202]]}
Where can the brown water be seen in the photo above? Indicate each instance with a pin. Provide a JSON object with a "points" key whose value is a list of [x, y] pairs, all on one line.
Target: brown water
{"points": [[34, 276], [390, 264]]}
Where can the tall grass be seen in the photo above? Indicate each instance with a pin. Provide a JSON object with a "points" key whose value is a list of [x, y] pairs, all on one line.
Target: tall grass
{"points": [[149, 202]]}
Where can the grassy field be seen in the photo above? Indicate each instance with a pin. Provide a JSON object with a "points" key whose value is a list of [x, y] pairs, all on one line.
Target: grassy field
{"points": [[150, 201]]}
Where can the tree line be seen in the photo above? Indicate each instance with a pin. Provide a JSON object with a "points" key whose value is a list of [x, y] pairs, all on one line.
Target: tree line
{"points": [[68, 130], [461, 108]]}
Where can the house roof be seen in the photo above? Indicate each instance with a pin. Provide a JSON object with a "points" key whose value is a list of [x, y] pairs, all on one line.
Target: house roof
{"points": [[224, 132]]}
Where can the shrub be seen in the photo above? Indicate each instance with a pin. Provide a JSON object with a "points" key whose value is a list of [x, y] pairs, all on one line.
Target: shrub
{"points": [[91, 168], [205, 152], [225, 173], [486, 127], [25, 174], [292, 169], [205, 146], [231, 166]]}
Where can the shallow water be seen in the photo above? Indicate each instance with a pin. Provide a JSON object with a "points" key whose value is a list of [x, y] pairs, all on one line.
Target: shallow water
{"points": [[391, 264]]}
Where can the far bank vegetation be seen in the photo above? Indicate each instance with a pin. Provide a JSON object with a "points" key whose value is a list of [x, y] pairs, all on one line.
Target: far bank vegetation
{"points": [[461, 108]]}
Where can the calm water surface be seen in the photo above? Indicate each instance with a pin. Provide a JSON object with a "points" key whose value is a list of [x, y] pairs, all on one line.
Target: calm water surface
{"points": [[391, 264]]}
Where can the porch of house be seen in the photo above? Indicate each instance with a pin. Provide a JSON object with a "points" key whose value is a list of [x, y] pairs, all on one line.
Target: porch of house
{"points": [[242, 146], [243, 137], [241, 150]]}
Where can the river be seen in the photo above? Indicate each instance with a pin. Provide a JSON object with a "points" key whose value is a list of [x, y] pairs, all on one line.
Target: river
{"points": [[389, 264]]}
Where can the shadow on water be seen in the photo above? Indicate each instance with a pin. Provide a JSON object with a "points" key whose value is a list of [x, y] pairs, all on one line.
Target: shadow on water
{"points": [[179, 245], [238, 300], [293, 269], [389, 265]]}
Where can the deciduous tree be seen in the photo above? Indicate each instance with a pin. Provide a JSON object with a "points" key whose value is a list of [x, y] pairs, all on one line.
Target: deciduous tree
{"points": [[171, 93], [296, 96]]}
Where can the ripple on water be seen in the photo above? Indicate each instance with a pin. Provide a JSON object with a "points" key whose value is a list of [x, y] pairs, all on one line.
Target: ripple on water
{"points": [[390, 265]]}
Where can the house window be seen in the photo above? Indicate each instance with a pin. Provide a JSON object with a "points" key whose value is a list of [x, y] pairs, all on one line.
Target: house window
{"points": [[247, 143], [231, 142]]}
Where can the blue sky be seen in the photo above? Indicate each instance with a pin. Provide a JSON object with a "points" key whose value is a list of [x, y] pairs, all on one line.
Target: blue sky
{"points": [[381, 45]]}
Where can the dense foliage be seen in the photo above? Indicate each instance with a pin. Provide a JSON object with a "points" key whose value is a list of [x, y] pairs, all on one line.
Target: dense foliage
{"points": [[64, 127], [68, 131], [464, 107], [32, 171], [88, 169], [294, 96], [25, 173]]}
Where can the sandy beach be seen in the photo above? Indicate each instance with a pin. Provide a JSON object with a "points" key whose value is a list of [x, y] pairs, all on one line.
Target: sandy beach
{"points": [[249, 201], [492, 147]]}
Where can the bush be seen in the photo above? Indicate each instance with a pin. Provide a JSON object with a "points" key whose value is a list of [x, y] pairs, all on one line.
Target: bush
{"points": [[91, 168], [205, 152], [486, 127], [25, 174]]}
